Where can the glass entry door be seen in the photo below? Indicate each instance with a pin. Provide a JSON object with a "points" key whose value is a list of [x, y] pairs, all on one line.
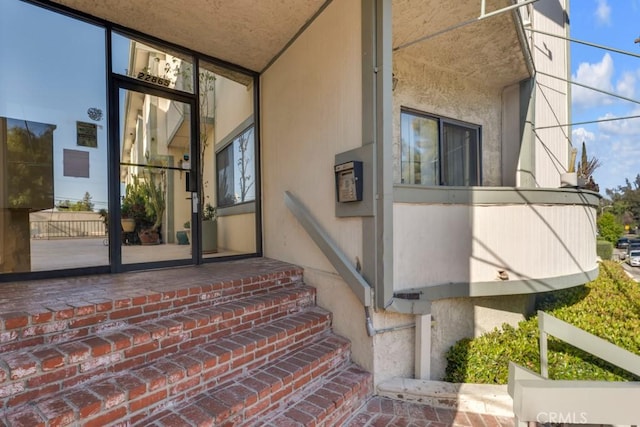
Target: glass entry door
{"points": [[155, 155]]}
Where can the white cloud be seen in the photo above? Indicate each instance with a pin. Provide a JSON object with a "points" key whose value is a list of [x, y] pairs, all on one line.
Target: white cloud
{"points": [[627, 84], [581, 134], [603, 13], [596, 75], [616, 146], [622, 127]]}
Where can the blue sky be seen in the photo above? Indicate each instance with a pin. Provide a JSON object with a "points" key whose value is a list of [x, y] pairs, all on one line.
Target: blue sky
{"points": [[40, 89], [615, 24]]}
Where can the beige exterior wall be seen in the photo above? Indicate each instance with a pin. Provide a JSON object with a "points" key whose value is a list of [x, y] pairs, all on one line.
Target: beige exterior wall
{"points": [[433, 91], [311, 110]]}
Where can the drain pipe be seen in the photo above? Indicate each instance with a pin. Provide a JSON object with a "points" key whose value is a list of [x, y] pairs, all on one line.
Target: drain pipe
{"points": [[372, 331]]}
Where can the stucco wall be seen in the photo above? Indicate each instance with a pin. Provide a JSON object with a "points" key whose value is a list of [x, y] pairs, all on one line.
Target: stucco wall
{"points": [[457, 318], [310, 111], [423, 87]]}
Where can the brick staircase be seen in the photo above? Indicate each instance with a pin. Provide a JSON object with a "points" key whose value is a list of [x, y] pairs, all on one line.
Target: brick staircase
{"points": [[238, 343]]}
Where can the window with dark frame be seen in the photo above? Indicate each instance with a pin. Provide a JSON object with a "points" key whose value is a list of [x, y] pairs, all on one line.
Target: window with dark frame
{"points": [[235, 165], [436, 151]]}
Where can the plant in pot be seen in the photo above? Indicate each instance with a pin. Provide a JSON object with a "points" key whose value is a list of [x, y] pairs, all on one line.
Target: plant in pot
{"points": [[127, 221], [152, 188], [132, 211], [209, 229], [184, 236]]}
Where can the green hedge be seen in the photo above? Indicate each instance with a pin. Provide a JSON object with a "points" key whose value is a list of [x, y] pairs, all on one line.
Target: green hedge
{"points": [[608, 307], [604, 249]]}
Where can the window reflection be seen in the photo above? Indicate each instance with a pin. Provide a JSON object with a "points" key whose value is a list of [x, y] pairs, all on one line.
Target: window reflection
{"points": [[228, 181], [53, 144], [156, 65], [236, 170]]}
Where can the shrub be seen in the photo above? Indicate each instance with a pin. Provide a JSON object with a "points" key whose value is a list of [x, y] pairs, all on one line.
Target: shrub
{"points": [[610, 228], [604, 249], [608, 307]]}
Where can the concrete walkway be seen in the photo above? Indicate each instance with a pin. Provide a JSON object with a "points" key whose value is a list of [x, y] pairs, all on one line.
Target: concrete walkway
{"points": [[382, 411], [409, 402]]}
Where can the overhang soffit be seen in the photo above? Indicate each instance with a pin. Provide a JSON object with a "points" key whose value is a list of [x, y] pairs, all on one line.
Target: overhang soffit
{"points": [[487, 50], [247, 33]]}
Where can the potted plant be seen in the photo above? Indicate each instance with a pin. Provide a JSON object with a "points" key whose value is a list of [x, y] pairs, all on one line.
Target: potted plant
{"points": [[132, 208], [209, 229], [127, 222], [152, 189], [184, 236]]}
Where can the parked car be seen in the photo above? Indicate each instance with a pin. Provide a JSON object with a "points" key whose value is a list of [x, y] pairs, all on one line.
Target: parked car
{"points": [[634, 258], [634, 245], [622, 243]]}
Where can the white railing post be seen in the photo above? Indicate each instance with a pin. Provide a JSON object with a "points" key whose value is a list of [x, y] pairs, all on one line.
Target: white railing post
{"points": [[544, 361]]}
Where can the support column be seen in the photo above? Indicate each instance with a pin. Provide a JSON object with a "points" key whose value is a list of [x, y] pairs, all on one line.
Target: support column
{"points": [[423, 347]]}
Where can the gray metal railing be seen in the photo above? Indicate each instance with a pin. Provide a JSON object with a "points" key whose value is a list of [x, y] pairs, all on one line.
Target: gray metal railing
{"points": [[549, 325], [538, 399], [67, 229], [334, 254]]}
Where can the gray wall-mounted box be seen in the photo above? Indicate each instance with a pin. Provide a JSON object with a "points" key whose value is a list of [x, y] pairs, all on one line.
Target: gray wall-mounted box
{"points": [[354, 182]]}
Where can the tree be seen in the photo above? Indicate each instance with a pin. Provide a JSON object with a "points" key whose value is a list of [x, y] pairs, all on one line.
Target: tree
{"points": [[625, 200], [243, 163], [80, 206], [610, 229], [29, 164]]}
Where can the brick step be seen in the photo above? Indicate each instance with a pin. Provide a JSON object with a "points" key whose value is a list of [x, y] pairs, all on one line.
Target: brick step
{"points": [[48, 368], [74, 308], [330, 403], [281, 386], [128, 397]]}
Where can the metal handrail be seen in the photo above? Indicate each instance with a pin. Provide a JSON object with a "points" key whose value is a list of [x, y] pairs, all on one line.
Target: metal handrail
{"points": [[549, 325], [536, 398], [334, 254]]}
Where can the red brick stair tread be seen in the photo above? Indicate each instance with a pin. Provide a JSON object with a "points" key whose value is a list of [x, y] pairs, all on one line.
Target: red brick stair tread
{"points": [[37, 310], [115, 345], [334, 401], [177, 374], [250, 397]]}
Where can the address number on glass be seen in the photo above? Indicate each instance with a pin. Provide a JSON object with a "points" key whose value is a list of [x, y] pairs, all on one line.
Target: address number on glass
{"points": [[153, 79]]}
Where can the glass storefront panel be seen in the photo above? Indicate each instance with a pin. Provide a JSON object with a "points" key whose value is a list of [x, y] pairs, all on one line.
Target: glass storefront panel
{"points": [[227, 154], [155, 201], [156, 65], [56, 208], [53, 141]]}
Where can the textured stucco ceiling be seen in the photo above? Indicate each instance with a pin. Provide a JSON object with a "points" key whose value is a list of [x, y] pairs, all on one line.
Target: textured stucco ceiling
{"points": [[248, 33], [487, 50]]}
